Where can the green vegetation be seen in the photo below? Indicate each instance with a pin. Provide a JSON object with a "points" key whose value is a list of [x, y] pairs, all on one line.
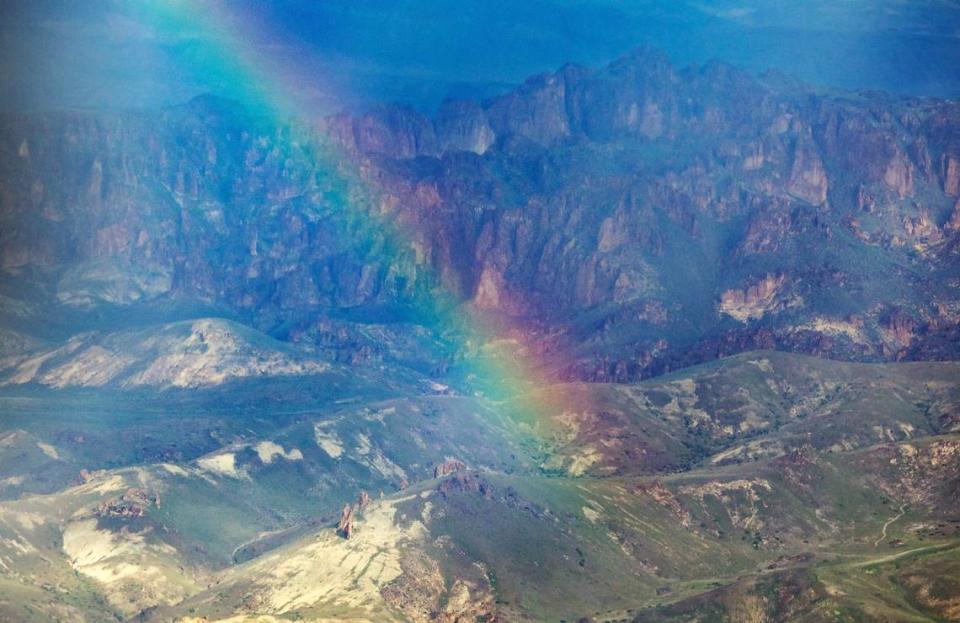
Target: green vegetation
{"points": [[713, 493]]}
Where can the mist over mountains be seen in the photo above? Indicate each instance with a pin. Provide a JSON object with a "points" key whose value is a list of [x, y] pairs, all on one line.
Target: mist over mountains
{"points": [[110, 55]]}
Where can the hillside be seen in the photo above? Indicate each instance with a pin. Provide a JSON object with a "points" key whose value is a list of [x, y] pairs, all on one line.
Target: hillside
{"points": [[856, 463]]}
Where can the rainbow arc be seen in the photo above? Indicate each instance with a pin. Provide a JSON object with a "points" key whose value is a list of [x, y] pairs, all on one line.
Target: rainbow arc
{"points": [[227, 50]]}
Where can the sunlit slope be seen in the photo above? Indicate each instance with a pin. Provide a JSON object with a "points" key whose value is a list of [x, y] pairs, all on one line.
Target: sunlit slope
{"points": [[559, 548], [749, 406], [652, 493]]}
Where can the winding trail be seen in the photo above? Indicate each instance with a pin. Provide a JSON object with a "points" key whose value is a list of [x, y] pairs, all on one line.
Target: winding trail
{"points": [[883, 531]]}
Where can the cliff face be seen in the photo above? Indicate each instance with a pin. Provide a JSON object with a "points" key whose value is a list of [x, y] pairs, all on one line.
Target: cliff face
{"points": [[200, 201], [619, 210]]}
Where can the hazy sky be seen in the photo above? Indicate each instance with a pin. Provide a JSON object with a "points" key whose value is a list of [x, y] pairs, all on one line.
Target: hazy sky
{"points": [[106, 53]]}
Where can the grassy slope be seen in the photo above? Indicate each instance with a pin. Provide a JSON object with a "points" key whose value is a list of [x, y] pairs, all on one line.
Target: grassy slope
{"points": [[561, 548], [530, 539]]}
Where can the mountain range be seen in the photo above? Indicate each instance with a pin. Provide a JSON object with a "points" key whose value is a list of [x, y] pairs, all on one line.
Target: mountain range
{"points": [[628, 343]]}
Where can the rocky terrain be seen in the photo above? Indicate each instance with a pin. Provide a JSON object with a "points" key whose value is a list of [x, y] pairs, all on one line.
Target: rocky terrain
{"points": [[634, 343], [717, 489], [640, 217]]}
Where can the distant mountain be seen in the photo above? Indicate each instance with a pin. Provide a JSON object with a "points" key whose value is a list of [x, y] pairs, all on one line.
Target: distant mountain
{"points": [[643, 217]]}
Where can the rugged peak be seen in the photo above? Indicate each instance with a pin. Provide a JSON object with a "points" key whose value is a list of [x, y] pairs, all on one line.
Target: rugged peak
{"points": [[646, 55], [385, 130], [716, 68], [462, 125], [645, 67], [574, 71], [783, 82], [808, 176], [594, 187]]}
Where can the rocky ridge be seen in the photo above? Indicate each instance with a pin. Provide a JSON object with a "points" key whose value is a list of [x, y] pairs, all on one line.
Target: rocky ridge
{"points": [[636, 195]]}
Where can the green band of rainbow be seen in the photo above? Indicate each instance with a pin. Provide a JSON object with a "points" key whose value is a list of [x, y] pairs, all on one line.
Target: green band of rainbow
{"points": [[222, 54]]}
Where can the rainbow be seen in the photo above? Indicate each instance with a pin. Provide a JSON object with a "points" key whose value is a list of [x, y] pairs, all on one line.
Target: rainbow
{"points": [[223, 53]]}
